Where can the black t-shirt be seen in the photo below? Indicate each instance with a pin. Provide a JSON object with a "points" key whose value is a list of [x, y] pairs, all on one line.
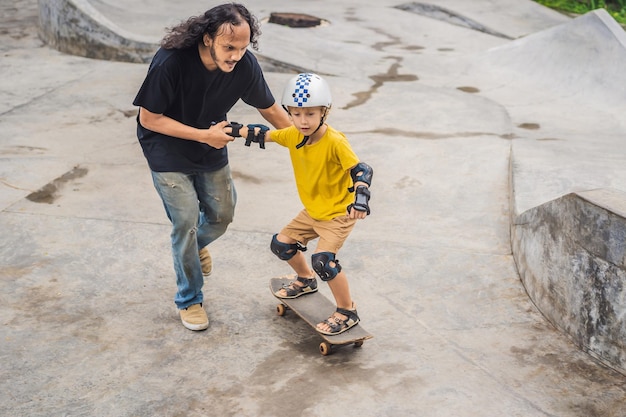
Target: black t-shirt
{"points": [[179, 86]]}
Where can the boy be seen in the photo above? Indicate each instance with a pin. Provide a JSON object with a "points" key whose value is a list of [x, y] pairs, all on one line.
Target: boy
{"points": [[333, 186]]}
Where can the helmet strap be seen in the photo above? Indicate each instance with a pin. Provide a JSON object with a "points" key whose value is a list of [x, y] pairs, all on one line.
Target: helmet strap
{"points": [[304, 141]]}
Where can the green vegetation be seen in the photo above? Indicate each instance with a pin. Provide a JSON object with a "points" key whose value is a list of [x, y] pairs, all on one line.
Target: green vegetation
{"points": [[616, 8]]}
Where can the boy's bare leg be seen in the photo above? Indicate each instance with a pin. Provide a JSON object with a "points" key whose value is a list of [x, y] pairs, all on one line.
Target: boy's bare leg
{"points": [[341, 291], [300, 265]]}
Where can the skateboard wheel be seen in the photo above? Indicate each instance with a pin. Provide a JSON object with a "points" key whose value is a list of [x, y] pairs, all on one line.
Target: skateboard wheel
{"points": [[358, 344], [325, 348], [280, 309]]}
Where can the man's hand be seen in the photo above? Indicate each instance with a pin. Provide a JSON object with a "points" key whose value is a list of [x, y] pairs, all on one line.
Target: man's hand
{"points": [[216, 136]]}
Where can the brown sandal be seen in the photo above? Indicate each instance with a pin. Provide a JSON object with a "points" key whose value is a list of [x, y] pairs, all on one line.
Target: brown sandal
{"points": [[293, 290], [337, 325]]}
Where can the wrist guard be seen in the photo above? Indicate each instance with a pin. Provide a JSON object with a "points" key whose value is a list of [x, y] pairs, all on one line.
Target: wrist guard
{"points": [[252, 137], [361, 199], [235, 129]]}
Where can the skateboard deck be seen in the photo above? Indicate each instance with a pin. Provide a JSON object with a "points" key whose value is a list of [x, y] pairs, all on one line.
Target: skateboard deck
{"points": [[314, 308]]}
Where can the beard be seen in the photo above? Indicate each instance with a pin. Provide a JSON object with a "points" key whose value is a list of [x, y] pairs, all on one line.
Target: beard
{"points": [[218, 62]]}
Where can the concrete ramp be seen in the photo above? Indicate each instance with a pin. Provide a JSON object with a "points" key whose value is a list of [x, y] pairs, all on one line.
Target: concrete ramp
{"points": [[568, 242], [564, 89], [77, 28], [584, 58], [571, 256]]}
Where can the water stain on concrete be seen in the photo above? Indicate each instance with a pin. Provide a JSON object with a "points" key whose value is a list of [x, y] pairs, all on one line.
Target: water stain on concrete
{"points": [[433, 135], [22, 150], [350, 15], [529, 126], [467, 89], [407, 182], [245, 177], [392, 75], [393, 40], [49, 192], [130, 113]]}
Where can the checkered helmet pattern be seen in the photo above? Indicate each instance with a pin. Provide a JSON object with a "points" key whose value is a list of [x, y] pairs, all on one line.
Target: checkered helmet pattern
{"points": [[307, 90]]}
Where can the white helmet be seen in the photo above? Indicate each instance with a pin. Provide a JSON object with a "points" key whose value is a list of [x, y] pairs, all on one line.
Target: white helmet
{"points": [[307, 90]]}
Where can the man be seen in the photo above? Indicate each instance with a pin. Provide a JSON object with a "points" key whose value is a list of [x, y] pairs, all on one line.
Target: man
{"points": [[201, 70]]}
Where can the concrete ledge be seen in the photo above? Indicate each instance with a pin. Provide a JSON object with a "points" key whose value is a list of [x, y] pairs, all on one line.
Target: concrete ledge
{"points": [[571, 257], [75, 27]]}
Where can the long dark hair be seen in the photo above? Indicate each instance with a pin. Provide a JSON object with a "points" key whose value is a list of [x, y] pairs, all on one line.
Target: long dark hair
{"points": [[190, 32]]}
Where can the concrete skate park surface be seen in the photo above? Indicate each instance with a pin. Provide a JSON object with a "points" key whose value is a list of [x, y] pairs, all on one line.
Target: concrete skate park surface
{"points": [[466, 131]]}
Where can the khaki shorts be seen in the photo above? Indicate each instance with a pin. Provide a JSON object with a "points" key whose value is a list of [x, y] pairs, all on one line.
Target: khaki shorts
{"points": [[332, 233]]}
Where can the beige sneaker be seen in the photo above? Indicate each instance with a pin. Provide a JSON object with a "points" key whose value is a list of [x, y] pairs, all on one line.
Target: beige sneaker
{"points": [[194, 317], [206, 262]]}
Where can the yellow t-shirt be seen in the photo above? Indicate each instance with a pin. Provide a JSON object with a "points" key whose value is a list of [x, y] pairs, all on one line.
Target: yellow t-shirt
{"points": [[321, 170]]}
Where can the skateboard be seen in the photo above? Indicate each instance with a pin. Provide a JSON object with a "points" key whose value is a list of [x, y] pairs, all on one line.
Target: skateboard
{"points": [[314, 308]]}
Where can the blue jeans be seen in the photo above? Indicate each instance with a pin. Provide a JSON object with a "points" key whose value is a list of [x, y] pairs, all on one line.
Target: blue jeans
{"points": [[200, 206]]}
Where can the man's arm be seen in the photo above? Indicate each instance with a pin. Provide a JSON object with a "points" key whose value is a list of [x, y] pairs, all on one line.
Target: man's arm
{"points": [[213, 136], [276, 115]]}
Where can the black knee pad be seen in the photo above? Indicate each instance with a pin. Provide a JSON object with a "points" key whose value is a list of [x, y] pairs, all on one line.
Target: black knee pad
{"points": [[285, 251], [322, 265]]}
